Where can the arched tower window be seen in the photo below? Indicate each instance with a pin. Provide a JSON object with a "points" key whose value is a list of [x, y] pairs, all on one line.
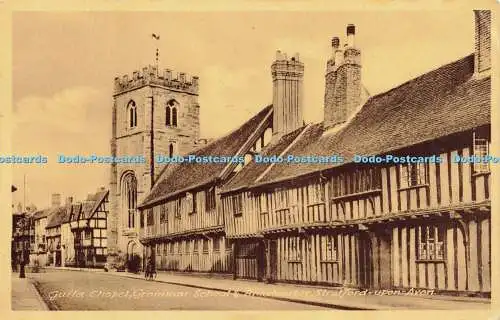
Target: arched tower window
{"points": [[132, 114], [129, 198], [171, 113]]}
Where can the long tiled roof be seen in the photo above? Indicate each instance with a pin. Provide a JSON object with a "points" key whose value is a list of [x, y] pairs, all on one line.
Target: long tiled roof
{"points": [[439, 103], [178, 178]]}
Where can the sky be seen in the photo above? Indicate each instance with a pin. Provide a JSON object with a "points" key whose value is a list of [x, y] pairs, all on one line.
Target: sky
{"points": [[64, 64]]}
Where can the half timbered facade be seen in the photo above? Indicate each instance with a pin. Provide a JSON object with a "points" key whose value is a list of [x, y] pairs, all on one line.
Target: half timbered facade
{"points": [[420, 221], [88, 225], [181, 219]]}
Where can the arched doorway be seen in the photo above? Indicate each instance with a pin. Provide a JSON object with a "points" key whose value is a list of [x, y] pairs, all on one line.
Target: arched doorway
{"points": [[131, 249], [134, 256]]}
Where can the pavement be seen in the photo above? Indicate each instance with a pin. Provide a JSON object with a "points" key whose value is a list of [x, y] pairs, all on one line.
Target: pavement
{"points": [[25, 296], [338, 298]]}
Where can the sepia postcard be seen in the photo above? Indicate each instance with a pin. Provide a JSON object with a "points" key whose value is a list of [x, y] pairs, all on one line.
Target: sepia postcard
{"points": [[251, 157]]}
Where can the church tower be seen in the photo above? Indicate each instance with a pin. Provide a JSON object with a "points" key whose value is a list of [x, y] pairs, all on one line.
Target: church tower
{"points": [[154, 113]]}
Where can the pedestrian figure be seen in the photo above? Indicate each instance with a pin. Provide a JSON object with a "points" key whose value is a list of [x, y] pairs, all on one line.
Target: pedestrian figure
{"points": [[150, 273]]}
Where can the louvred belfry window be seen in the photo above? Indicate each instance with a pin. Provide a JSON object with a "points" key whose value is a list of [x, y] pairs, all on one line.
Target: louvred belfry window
{"points": [[132, 114]]}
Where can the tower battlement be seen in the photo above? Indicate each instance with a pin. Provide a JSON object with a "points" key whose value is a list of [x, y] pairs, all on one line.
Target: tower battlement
{"points": [[151, 76]]}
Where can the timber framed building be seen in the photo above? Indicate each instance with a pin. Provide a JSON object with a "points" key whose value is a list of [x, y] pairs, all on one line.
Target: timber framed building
{"points": [[393, 225], [181, 219], [88, 225]]}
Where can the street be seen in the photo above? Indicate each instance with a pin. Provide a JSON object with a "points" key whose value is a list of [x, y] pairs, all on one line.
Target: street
{"points": [[73, 290]]}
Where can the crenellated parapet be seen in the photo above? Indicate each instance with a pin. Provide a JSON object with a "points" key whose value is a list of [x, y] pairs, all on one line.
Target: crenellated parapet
{"points": [[151, 76]]}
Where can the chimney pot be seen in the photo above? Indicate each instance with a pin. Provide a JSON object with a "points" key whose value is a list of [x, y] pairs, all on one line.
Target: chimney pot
{"points": [[279, 55], [351, 29], [56, 200], [343, 82], [335, 42]]}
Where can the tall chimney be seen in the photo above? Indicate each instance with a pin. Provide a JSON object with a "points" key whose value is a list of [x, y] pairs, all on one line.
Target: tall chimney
{"points": [[482, 56], [342, 82], [287, 77], [55, 200]]}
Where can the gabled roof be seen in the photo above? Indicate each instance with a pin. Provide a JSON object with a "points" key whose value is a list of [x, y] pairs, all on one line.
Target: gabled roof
{"points": [[58, 216], [442, 102], [76, 211], [86, 209], [41, 214], [253, 170], [182, 177]]}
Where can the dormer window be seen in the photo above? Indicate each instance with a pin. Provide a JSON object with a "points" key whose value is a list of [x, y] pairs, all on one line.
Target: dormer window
{"points": [[132, 114]]}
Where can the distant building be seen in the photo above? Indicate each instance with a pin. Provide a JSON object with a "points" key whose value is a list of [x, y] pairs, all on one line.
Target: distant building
{"points": [[40, 249], [88, 223], [23, 238]]}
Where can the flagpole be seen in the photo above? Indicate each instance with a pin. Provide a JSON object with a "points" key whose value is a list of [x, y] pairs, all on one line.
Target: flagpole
{"points": [[157, 37], [24, 193]]}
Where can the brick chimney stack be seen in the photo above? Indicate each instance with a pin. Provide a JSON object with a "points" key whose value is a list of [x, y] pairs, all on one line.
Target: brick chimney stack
{"points": [[482, 56], [55, 200], [343, 81], [287, 75]]}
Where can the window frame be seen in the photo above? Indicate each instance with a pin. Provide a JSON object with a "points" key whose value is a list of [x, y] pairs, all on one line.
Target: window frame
{"points": [[163, 214], [262, 203], [205, 246], [294, 249], [237, 204], [431, 236], [480, 150], [191, 196], [331, 249], [150, 220], [210, 199], [216, 244], [413, 175]]}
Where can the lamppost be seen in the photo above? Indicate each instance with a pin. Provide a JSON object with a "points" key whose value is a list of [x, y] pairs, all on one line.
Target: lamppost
{"points": [[23, 249]]}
